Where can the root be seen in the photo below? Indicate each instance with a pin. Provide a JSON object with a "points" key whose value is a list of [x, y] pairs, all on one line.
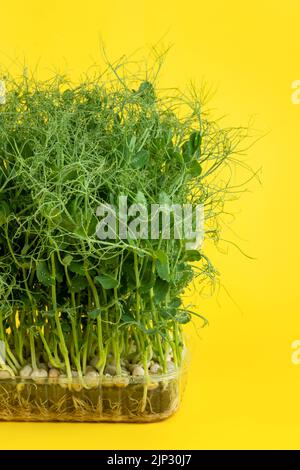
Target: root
{"points": [[134, 403]]}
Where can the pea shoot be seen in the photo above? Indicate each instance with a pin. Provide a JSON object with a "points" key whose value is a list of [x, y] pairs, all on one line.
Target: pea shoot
{"points": [[81, 314]]}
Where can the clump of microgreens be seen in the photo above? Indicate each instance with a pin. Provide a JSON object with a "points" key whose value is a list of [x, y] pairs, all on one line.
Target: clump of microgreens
{"points": [[67, 298]]}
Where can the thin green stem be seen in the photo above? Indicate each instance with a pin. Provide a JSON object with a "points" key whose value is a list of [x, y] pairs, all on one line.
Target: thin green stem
{"points": [[32, 350], [62, 345]]}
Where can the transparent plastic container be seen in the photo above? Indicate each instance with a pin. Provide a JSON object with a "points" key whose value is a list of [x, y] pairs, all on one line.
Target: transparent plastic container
{"points": [[115, 399]]}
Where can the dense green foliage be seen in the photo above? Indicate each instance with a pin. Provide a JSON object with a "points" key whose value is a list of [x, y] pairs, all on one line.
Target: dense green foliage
{"points": [[65, 295]]}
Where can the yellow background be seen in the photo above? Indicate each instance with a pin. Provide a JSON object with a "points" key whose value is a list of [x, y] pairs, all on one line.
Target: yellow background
{"points": [[243, 390]]}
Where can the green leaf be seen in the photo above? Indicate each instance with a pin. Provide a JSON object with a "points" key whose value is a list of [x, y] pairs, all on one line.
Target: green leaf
{"points": [[178, 157], [186, 151], [140, 159], [161, 289], [147, 285], [162, 265], [79, 283], [141, 199], [167, 313], [54, 215], [183, 274], [191, 146], [4, 212], [127, 318], [146, 91], [195, 168], [147, 331], [183, 317], [67, 260], [195, 139], [175, 303], [182, 267], [107, 281], [68, 95], [43, 274], [192, 255], [92, 227], [77, 268], [94, 313], [172, 312]]}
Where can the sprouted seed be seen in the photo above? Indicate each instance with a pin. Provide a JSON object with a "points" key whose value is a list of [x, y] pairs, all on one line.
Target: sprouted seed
{"points": [[77, 308]]}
